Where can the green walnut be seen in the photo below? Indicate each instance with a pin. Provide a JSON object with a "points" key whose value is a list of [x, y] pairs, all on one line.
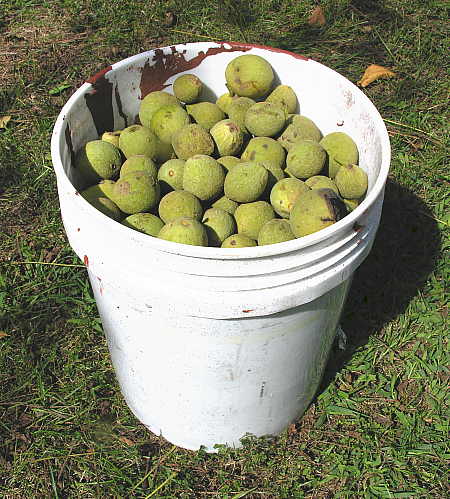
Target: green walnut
{"points": [[136, 140], [341, 150], [97, 160], [265, 119], [245, 182], [226, 204], [164, 152], [264, 149], [170, 175], [249, 76], [144, 222], [185, 230], [187, 88], [285, 194], [299, 128], [321, 182], [136, 192], [237, 110], [315, 210], [275, 174], [103, 189], [152, 102], [203, 176], [167, 121], [285, 97], [305, 159], [228, 162], [139, 163], [250, 217], [224, 101], [178, 204], [112, 137], [191, 140], [238, 241], [228, 137], [205, 114], [351, 204], [352, 182], [107, 207], [219, 225], [275, 231]]}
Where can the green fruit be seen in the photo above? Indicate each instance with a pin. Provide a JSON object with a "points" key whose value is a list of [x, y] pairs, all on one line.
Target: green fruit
{"points": [[191, 140], [185, 230], [167, 121], [305, 159], [136, 140], [341, 150], [170, 175], [275, 231], [228, 137], [107, 207], [112, 137], [250, 217], [203, 176], [285, 194], [315, 210], [285, 97], [226, 204], [321, 182], [136, 192], [351, 204], [164, 152], [299, 128], [228, 162], [144, 222], [178, 204], [237, 110], [245, 182], [187, 88], [97, 160], [351, 180], [275, 174], [249, 76], [139, 163], [206, 114], [238, 241], [152, 102], [224, 101], [103, 189], [265, 119], [219, 225], [264, 149]]}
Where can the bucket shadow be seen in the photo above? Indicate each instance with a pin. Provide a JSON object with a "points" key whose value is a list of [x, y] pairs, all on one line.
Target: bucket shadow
{"points": [[403, 256]]}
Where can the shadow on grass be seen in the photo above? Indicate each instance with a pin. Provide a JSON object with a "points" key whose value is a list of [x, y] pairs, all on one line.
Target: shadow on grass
{"points": [[403, 256]]}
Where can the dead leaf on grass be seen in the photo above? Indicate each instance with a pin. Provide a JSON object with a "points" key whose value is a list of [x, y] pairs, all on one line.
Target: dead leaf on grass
{"points": [[3, 334], [127, 441], [4, 121], [373, 72], [317, 17]]}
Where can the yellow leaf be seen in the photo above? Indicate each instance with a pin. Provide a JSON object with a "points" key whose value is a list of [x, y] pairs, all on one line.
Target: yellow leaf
{"points": [[317, 17], [127, 441], [373, 72], [3, 334], [4, 121]]}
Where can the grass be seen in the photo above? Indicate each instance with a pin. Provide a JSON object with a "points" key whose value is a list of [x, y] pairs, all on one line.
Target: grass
{"points": [[378, 426]]}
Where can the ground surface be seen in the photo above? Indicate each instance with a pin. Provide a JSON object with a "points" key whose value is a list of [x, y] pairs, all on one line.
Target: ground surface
{"points": [[377, 427]]}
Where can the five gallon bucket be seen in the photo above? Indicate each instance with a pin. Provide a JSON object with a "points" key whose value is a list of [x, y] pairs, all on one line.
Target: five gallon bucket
{"points": [[211, 344]]}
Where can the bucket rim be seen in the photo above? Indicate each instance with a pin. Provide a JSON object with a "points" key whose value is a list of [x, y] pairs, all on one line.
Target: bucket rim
{"points": [[347, 223]]}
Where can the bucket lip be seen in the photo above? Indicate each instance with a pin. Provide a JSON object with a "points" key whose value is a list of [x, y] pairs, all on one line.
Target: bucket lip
{"points": [[272, 250]]}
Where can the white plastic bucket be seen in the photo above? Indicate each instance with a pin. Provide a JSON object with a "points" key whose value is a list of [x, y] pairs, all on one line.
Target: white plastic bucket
{"points": [[211, 344]]}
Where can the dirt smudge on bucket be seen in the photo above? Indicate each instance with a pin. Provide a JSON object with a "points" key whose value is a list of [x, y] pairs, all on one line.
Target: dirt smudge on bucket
{"points": [[155, 75], [68, 136], [99, 101]]}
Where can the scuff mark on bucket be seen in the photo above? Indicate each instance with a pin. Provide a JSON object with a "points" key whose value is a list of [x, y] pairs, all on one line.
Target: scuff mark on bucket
{"points": [[357, 227], [261, 392], [248, 310], [119, 107], [99, 101], [154, 76], [68, 136]]}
